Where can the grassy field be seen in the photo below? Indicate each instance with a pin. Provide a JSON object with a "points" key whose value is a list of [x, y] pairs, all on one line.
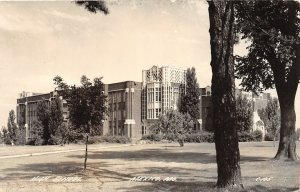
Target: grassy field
{"points": [[118, 169]]}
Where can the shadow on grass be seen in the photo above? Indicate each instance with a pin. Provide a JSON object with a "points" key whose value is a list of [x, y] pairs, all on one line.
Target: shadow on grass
{"points": [[172, 186], [200, 186], [260, 188], [155, 155], [189, 179], [244, 159], [172, 154], [69, 168]]}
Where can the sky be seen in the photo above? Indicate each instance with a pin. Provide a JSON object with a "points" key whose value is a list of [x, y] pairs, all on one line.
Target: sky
{"points": [[39, 40]]}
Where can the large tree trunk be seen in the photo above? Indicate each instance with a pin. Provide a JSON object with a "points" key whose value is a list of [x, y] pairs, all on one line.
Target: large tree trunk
{"points": [[221, 15], [286, 89], [287, 143]]}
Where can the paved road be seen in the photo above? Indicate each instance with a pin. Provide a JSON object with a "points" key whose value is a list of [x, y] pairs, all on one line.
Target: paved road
{"points": [[26, 151]]}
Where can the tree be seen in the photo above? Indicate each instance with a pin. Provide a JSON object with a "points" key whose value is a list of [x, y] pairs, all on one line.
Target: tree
{"points": [[43, 118], [1, 137], [244, 114], [37, 133], [6, 136], [21, 117], [86, 104], [272, 29], [270, 115], [174, 125], [56, 120], [221, 16], [190, 101], [12, 127]]}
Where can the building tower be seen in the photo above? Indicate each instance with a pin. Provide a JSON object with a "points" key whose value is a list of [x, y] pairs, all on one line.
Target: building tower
{"points": [[161, 91]]}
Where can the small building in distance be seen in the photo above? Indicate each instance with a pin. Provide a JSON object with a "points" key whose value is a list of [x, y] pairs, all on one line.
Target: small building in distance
{"points": [[258, 102]]}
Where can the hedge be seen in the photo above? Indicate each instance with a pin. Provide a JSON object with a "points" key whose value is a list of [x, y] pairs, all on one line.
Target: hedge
{"points": [[250, 136], [189, 138], [205, 137], [109, 139]]}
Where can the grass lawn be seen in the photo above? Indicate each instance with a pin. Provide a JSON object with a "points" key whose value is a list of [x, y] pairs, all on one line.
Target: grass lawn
{"points": [[113, 169]]}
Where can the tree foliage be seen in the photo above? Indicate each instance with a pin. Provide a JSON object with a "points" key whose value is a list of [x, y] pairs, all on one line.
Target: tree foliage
{"points": [[43, 118], [37, 133], [270, 115], [12, 127], [86, 104], [49, 121], [55, 119], [94, 6], [21, 117], [174, 124], [190, 101], [272, 29], [5, 135], [244, 114]]}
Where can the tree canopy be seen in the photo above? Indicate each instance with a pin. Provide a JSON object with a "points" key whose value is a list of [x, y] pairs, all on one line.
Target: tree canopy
{"points": [[270, 115], [272, 29], [190, 101], [12, 126], [86, 104], [174, 124], [244, 113]]}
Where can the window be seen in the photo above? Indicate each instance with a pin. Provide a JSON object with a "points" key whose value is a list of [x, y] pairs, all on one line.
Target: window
{"points": [[159, 94], [144, 130]]}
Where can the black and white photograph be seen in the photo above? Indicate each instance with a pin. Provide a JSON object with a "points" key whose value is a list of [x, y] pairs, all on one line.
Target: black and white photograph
{"points": [[149, 95]]}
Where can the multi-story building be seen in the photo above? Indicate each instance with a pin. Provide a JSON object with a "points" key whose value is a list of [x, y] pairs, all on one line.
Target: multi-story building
{"points": [[161, 91], [124, 103], [27, 108], [258, 102], [205, 109]]}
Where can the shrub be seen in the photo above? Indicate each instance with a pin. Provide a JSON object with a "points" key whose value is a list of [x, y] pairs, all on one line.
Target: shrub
{"points": [[202, 137], [35, 141], [257, 135], [109, 139], [269, 137], [152, 137], [6, 137], [246, 136], [54, 140], [74, 137], [21, 136], [298, 133], [170, 137], [189, 138]]}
